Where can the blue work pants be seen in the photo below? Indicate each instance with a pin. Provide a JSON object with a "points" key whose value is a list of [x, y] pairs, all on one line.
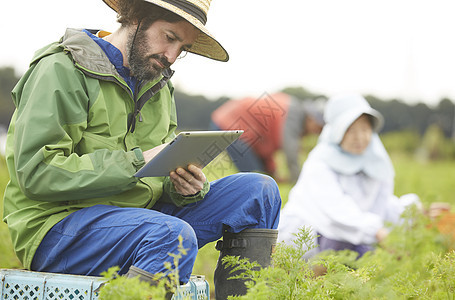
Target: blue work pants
{"points": [[91, 240]]}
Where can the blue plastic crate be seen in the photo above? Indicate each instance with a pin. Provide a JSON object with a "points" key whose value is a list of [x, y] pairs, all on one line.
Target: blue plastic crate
{"points": [[28, 285], [197, 288], [21, 284]]}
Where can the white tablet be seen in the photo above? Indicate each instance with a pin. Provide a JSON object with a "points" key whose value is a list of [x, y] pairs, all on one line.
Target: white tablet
{"points": [[189, 147]]}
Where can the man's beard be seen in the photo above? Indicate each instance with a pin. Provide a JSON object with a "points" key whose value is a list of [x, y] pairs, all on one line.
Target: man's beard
{"points": [[140, 63]]}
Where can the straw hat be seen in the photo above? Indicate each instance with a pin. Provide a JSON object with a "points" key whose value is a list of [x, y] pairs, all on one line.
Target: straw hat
{"points": [[195, 12]]}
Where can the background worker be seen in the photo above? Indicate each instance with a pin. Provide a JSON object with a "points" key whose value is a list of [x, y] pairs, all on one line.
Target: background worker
{"points": [[345, 190], [90, 111], [271, 123]]}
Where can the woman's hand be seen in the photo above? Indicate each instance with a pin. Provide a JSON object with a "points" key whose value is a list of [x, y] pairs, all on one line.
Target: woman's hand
{"points": [[188, 182], [381, 234]]}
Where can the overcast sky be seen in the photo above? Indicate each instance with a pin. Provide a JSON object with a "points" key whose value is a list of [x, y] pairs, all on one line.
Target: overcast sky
{"points": [[389, 48]]}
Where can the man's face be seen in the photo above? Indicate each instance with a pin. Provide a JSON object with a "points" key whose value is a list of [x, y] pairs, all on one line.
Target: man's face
{"points": [[157, 47]]}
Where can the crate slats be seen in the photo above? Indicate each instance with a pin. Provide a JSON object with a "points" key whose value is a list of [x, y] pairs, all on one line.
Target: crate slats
{"points": [[28, 285]]}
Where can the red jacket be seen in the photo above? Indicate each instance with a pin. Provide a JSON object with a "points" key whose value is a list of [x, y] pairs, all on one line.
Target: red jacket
{"points": [[262, 119]]}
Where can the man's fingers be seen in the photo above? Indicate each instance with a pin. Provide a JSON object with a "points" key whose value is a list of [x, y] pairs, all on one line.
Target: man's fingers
{"points": [[193, 175], [197, 173], [185, 183], [187, 176], [181, 185]]}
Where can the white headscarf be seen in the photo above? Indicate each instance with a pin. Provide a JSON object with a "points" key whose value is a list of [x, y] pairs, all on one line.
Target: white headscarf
{"points": [[340, 112]]}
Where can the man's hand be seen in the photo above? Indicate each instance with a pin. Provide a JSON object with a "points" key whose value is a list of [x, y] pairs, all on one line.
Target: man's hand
{"points": [[188, 182]]}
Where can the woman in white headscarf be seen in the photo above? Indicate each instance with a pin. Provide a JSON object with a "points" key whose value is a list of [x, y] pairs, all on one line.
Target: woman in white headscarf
{"points": [[345, 190]]}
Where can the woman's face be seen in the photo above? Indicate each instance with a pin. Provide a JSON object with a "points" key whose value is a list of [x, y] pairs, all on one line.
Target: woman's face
{"points": [[358, 136]]}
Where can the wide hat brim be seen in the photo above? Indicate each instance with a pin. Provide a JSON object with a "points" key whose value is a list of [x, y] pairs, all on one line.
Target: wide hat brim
{"points": [[205, 44]]}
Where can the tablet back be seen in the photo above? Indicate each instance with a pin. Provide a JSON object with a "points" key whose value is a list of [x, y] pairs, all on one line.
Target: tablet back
{"points": [[189, 147]]}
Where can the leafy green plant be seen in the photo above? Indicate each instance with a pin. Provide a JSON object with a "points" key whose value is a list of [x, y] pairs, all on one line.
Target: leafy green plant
{"points": [[413, 263], [120, 287], [123, 288]]}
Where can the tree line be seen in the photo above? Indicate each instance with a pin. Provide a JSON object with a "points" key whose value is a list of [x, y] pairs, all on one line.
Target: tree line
{"points": [[193, 111]]}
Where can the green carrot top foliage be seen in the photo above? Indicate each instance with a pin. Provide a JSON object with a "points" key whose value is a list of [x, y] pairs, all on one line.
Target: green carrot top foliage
{"points": [[414, 262]]}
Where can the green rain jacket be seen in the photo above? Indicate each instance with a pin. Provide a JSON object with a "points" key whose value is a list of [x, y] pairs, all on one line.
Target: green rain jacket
{"points": [[68, 144]]}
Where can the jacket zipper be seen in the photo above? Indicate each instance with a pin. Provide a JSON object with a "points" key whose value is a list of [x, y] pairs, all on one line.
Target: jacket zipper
{"points": [[111, 78], [135, 98]]}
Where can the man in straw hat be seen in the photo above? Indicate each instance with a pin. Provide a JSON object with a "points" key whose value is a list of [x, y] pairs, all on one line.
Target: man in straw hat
{"points": [[90, 112]]}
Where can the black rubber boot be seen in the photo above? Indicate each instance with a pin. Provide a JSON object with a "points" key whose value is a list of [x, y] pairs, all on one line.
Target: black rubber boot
{"points": [[144, 276], [255, 244]]}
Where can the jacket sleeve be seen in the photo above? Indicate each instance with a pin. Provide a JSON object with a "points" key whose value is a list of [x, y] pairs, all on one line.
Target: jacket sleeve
{"points": [[321, 201], [52, 106], [172, 196], [397, 205]]}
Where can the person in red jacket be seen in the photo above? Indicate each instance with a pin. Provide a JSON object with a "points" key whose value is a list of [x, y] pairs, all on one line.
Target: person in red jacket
{"points": [[272, 122]]}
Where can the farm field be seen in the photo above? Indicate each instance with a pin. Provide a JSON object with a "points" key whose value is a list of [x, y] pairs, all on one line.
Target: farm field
{"points": [[433, 181]]}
